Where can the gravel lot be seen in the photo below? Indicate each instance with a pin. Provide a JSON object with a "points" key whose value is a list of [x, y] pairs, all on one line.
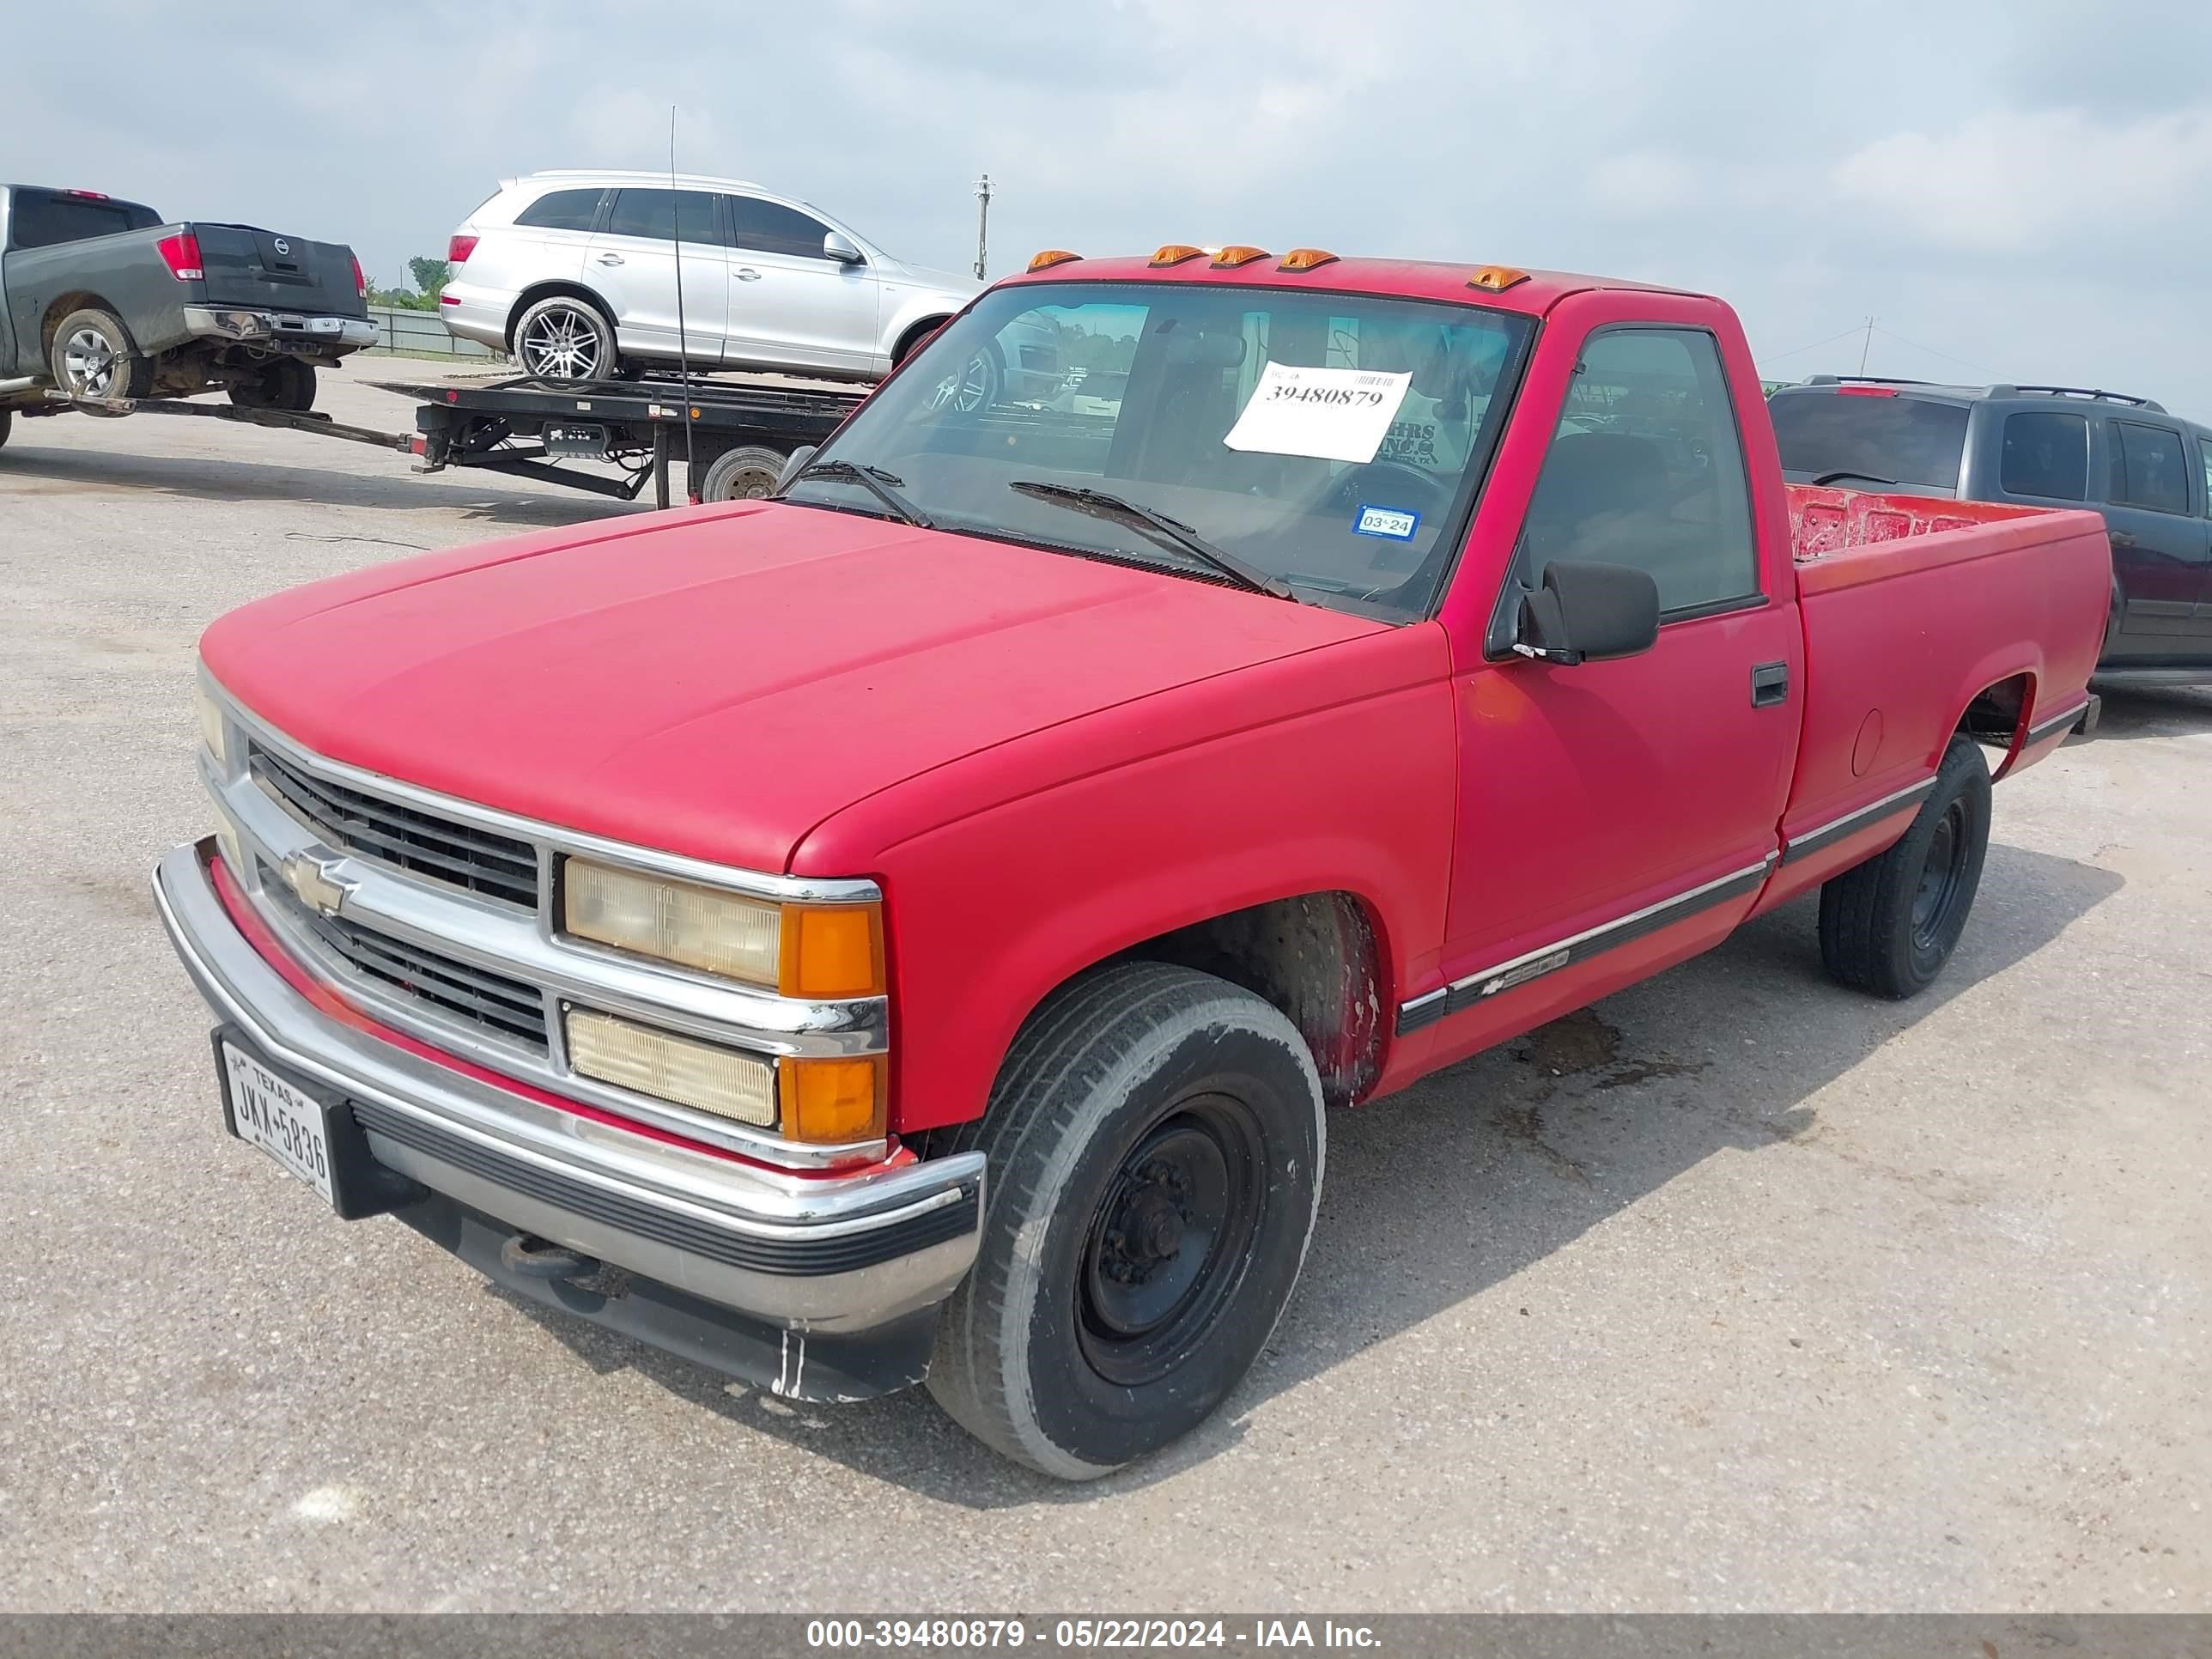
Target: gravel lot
{"points": [[1737, 1291]]}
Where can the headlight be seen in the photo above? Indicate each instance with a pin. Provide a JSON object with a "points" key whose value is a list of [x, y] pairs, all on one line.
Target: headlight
{"points": [[212, 731], [738, 1086], [826, 1102], [799, 950]]}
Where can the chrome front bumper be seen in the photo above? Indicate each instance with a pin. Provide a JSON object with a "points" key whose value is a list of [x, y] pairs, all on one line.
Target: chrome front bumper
{"points": [[252, 327], [835, 1254]]}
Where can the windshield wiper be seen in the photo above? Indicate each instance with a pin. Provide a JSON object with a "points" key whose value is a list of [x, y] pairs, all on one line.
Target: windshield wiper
{"points": [[1099, 504], [884, 486], [1871, 478]]}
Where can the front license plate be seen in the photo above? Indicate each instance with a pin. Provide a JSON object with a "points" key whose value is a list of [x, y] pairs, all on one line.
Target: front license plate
{"points": [[291, 1126]]}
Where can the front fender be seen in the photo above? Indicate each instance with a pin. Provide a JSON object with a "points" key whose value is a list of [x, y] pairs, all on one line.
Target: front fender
{"points": [[988, 913]]}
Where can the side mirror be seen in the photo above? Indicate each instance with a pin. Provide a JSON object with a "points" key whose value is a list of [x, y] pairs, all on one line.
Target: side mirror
{"points": [[841, 248], [1587, 612], [794, 467]]}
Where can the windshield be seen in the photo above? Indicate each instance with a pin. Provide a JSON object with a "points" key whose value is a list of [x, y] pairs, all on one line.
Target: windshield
{"points": [[1330, 443], [1872, 435]]}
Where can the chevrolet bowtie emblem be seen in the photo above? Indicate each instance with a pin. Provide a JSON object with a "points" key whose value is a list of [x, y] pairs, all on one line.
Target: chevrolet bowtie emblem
{"points": [[316, 882]]}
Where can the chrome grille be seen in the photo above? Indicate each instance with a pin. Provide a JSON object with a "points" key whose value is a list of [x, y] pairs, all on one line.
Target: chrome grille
{"points": [[505, 1007], [497, 867]]}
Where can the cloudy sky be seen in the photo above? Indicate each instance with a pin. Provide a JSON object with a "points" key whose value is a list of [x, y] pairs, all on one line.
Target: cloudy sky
{"points": [[2018, 191]]}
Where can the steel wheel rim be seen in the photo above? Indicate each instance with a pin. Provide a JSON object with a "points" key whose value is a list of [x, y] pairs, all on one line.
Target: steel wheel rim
{"points": [[561, 344], [90, 361], [1170, 1241], [1942, 874]]}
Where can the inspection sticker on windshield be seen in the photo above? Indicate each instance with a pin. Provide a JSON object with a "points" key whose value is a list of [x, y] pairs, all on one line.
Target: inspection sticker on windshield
{"points": [[1330, 414], [1392, 521]]}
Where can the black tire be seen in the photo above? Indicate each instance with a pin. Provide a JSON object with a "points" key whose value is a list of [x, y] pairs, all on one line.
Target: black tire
{"points": [[1155, 1144], [564, 341], [286, 383], [744, 474], [1889, 924], [92, 357], [971, 389], [7, 420]]}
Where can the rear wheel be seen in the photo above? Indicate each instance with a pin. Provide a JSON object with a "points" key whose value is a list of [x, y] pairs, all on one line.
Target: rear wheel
{"points": [[1155, 1143], [1889, 924], [744, 474], [285, 383], [92, 357], [566, 341]]}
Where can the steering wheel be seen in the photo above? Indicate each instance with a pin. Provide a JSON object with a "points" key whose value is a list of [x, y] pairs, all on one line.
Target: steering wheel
{"points": [[1384, 484]]}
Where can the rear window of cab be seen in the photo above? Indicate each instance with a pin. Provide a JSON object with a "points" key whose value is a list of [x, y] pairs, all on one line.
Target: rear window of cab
{"points": [[1864, 436]]}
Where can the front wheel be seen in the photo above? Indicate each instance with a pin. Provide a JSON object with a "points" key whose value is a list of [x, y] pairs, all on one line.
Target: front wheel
{"points": [[284, 383], [1889, 924], [1155, 1142], [7, 420], [972, 388]]}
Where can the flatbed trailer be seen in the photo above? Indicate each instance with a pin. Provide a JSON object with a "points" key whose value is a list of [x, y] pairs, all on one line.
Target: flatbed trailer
{"points": [[740, 432]]}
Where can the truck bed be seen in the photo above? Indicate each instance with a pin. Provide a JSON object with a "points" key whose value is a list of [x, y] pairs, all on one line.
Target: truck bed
{"points": [[1825, 520], [1911, 608]]}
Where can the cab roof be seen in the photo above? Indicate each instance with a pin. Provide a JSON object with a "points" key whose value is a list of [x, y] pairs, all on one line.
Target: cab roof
{"points": [[1415, 279]]}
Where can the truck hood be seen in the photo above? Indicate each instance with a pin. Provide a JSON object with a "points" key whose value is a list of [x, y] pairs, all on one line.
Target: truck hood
{"points": [[716, 683]]}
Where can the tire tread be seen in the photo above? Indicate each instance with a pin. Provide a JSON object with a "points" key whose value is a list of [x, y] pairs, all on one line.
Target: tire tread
{"points": [[1865, 910], [1078, 1038]]}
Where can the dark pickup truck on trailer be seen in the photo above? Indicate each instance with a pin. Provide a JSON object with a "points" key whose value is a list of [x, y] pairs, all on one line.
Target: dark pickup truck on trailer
{"points": [[104, 301]]}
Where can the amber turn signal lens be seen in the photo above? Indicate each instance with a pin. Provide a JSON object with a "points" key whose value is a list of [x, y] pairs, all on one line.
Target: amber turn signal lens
{"points": [[1051, 257], [828, 1103], [832, 950], [1174, 253], [1497, 278], [1236, 254], [1305, 258]]}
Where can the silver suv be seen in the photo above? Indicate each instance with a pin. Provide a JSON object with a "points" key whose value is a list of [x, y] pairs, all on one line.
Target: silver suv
{"points": [[575, 274]]}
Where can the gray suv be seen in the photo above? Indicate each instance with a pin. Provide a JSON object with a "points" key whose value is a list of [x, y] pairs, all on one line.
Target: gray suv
{"points": [[2149, 472]]}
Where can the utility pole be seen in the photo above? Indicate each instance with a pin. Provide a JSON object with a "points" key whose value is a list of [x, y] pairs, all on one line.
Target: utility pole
{"points": [[983, 223], [1866, 345]]}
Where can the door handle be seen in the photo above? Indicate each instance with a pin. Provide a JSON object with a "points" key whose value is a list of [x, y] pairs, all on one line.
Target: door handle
{"points": [[611, 259], [1770, 684], [747, 274], [2121, 538]]}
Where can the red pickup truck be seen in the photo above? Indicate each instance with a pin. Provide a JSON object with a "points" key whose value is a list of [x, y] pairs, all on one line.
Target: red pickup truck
{"points": [[913, 926]]}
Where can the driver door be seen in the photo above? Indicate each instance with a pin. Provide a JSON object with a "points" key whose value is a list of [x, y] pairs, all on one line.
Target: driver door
{"points": [[1613, 814]]}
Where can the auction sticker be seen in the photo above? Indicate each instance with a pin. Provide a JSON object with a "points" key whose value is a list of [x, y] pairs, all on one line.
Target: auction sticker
{"points": [[1330, 414], [1394, 522]]}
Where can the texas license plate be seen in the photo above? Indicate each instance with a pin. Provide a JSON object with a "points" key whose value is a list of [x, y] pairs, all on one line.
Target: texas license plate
{"points": [[290, 1125]]}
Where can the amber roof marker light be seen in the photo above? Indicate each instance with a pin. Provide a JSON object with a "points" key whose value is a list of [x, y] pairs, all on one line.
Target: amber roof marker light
{"points": [[1051, 257], [1236, 254], [1174, 253], [1497, 278], [1305, 258]]}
